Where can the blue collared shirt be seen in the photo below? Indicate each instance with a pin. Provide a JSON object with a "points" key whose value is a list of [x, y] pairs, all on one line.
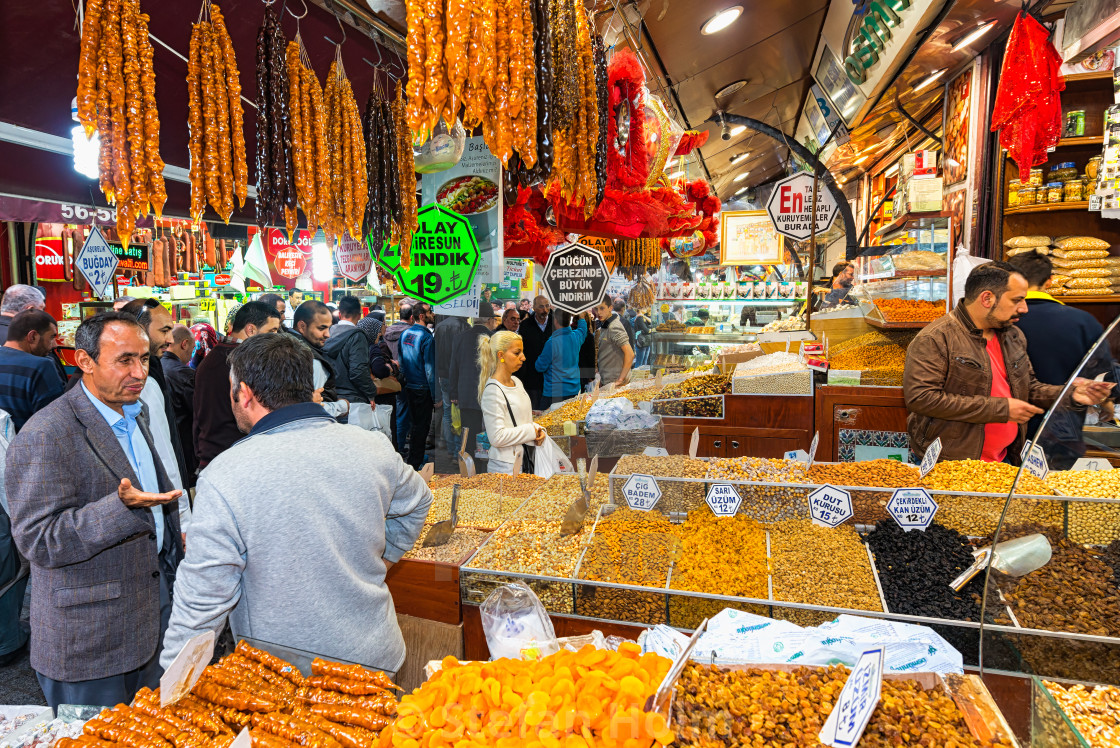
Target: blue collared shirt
{"points": [[135, 448]]}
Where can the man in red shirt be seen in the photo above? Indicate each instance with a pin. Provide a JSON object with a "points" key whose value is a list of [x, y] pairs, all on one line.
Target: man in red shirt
{"points": [[968, 379]]}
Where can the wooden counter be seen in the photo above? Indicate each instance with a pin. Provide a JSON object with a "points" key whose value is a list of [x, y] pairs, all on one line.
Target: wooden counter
{"points": [[863, 416], [753, 425]]}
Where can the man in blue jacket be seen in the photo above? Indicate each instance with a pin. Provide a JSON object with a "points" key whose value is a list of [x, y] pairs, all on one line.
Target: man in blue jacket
{"points": [[559, 360], [418, 364]]}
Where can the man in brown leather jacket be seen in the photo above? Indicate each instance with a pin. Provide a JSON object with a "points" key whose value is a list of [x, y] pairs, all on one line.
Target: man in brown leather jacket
{"points": [[968, 379]]}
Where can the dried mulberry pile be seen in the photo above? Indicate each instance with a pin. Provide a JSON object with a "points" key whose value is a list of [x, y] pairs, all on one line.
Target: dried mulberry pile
{"points": [[218, 170], [276, 186], [116, 99]]}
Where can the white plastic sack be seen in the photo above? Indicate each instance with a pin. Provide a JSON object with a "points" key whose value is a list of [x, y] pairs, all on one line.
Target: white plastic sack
{"points": [[549, 459], [962, 266], [516, 624], [370, 418], [7, 431]]}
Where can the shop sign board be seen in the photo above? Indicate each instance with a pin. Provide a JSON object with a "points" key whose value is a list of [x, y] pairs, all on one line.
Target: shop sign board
{"points": [[1092, 463], [912, 508], [133, 258], [290, 262], [791, 207], [830, 506], [1034, 460], [723, 499], [97, 262], [222, 279], [604, 245], [857, 702], [930, 457], [517, 269], [575, 278], [352, 259], [641, 492], [443, 260], [50, 259]]}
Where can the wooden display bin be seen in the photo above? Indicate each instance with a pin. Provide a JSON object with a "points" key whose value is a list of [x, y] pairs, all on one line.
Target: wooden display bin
{"points": [[874, 409], [426, 589], [753, 425]]}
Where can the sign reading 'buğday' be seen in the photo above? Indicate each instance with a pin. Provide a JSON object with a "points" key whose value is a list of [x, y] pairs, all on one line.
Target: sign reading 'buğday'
{"points": [[443, 260]]}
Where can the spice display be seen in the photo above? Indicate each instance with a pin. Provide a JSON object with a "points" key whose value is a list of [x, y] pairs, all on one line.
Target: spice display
{"points": [[506, 700], [789, 708], [218, 170], [915, 569], [463, 542], [910, 310], [1095, 711], [977, 476], [276, 187], [346, 202], [845, 582], [309, 136], [117, 100], [1092, 522], [675, 496], [384, 205]]}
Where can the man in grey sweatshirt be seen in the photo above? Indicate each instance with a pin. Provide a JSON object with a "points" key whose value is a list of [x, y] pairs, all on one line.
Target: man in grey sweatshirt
{"points": [[298, 523]]}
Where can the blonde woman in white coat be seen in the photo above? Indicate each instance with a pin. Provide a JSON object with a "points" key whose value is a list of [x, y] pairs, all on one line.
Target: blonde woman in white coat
{"points": [[506, 409]]}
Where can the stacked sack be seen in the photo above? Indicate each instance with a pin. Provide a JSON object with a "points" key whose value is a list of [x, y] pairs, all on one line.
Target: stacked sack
{"points": [[1082, 265]]}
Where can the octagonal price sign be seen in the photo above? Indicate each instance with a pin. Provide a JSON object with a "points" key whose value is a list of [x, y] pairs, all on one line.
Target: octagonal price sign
{"points": [[912, 508], [575, 278], [723, 499], [641, 492], [791, 207], [443, 260], [830, 506]]}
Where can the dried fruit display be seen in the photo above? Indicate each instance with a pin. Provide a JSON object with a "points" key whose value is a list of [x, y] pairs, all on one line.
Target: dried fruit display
{"points": [[276, 185], [218, 171], [346, 148], [309, 135], [384, 205], [406, 168], [117, 100]]}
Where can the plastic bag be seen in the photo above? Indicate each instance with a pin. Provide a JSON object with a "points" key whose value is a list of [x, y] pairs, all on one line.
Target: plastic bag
{"points": [[456, 418], [516, 624], [549, 459], [370, 418], [963, 264]]}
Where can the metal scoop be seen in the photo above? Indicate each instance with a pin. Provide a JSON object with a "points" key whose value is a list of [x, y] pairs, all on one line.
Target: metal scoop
{"points": [[1015, 558], [466, 462], [440, 533], [577, 510]]}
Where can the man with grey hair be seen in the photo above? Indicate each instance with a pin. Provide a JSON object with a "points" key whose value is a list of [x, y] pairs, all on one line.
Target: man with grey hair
{"points": [[18, 298]]}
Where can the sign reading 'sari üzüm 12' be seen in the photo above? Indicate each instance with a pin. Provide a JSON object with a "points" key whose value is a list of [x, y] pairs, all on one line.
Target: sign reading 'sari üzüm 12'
{"points": [[443, 260]]}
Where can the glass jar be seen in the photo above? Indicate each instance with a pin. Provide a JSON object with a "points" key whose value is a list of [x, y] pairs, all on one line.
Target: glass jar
{"points": [[1027, 195], [1063, 172], [1013, 188], [1093, 168], [1073, 190], [1053, 192], [1035, 177]]}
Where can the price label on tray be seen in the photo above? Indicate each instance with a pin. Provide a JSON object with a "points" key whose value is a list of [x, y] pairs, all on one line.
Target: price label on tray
{"points": [[641, 492], [813, 448], [930, 457], [1034, 460], [1092, 463], [186, 668], [829, 506], [912, 508], [857, 702], [723, 499]]}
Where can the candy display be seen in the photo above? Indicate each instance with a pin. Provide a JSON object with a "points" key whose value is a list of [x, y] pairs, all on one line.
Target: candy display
{"points": [[117, 100], [384, 204], [276, 186], [346, 202], [309, 136]]}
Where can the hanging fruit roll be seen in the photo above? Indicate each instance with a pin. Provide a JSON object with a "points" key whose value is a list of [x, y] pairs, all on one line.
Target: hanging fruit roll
{"points": [[406, 168], [346, 198], [276, 190]]}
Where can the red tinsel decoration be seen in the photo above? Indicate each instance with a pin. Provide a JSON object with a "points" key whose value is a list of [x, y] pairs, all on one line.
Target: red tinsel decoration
{"points": [[1028, 108], [629, 168], [526, 231], [691, 141]]}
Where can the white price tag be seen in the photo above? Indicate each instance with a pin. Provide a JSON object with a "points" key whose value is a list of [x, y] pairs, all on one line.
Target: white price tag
{"points": [[185, 670], [655, 452], [798, 454], [1092, 463], [723, 499], [829, 506], [857, 702], [641, 492], [97, 262], [1035, 462], [694, 444], [813, 448], [912, 508], [930, 457]]}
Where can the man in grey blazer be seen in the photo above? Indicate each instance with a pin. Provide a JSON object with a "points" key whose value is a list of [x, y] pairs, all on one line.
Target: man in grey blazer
{"points": [[95, 514]]}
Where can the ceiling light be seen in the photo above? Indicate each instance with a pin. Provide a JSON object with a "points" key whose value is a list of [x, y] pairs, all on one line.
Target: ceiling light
{"points": [[722, 20], [978, 32], [738, 130], [736, 159], [676, 175], [731, 88], [861, 159], [741, 177], [931, 79]]}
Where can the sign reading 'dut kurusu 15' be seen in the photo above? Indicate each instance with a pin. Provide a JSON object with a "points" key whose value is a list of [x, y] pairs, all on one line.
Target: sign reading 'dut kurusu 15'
{"points": [[443, 260]]}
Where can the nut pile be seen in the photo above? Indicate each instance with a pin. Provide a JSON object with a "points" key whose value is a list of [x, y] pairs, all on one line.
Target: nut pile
{"points": [[868, 506], [480, 509], [796, 549], [754, 707], [757, 469], [1111, 556], [915, 569], [977, 476], [695, 387], [519, 486], [1095, 712], [979, 515], [462, 544], [1090, 521], [573, 410], [558, 493], [765, 503], [879, 357], [675, 497]]}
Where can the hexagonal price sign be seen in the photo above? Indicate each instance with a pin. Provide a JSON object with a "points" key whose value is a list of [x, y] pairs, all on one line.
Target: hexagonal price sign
{"points": [[641, 492], [575, 278], [443, 260], [791, 207], [723, 499], [912, 508], [830, 506]]}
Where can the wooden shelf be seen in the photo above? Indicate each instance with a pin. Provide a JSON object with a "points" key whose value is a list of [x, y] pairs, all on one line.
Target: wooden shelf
{"points": [[1109, 299], [1083, 140], [895, 325], [912, 221], [1096, 75], [1082, 205]]}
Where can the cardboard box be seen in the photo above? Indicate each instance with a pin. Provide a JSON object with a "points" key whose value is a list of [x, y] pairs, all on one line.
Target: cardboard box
{"points": [[917, 165], [921, 196]]}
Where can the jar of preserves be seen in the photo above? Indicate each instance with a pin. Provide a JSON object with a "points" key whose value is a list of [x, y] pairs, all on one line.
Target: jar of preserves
{"points": [[1027, 194], [1063, 172], [1036, 177], [1073, 190], [1093, 168], [1013, 188], [1053, 192]]}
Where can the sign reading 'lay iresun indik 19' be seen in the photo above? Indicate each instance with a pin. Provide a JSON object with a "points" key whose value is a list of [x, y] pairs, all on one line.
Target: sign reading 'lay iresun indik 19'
{"points": [[575, 278], [443, 260], [791, 207]]}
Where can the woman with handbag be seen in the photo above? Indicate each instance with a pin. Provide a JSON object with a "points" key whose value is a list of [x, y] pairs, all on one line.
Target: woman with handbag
{"points": [[506, 409], [383, 368]]}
